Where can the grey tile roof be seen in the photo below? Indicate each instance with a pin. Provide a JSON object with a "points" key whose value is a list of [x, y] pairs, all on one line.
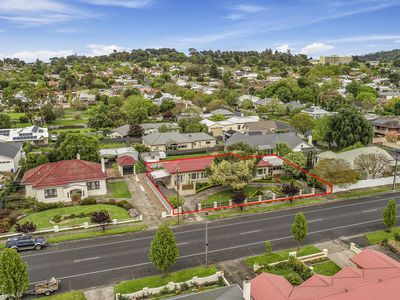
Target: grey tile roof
{"points": [[122, 130], [147, 126], [9, 149], [266, 141], [222, 111], [158, 138]]}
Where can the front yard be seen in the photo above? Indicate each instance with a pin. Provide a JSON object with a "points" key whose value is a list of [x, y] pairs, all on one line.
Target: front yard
{"points": [[380, 235], [48, 218], [127, 287], [118, 189]]}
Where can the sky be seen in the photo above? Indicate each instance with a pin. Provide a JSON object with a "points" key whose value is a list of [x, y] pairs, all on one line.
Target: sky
{"points": [[31, 29]]}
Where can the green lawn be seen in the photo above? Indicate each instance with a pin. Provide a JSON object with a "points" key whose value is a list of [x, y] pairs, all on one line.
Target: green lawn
{"points": [[42, 219], [327, 268], [92, 234], [74, 295], [112, 145], [127, 287], [262, 208], [279, 256], [225, 195], [364, 192], [65, 122], [189, 155], [118, 189], [378, 236]]}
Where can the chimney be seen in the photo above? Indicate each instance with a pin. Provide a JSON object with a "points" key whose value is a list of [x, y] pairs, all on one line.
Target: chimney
{"points": [[247, 289], [103, 165], [310, 139], [78, 156]]}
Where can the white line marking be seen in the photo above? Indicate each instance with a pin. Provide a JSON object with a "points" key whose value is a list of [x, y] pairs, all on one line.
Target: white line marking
{"points": [[217, 250], [209, 228], [181, 244], [317, 220], [86, 259], [370, 210], [253, 231], [142, 188]]}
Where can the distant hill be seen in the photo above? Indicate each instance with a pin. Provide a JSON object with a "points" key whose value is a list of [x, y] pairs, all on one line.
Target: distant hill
{"points": [[381, 56]]}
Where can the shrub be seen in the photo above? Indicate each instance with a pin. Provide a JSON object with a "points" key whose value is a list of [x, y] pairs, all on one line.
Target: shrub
{"points": [[23, 119], [101, 217], [88, 201], [26, 227], [294, 278], [56, 219], [124, 204], [297, 266], [176, 201], [397, 236], [112, 202], [268, 247], [41, 206]]}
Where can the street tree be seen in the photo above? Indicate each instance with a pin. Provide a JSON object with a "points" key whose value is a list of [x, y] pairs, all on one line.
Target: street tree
{"points": [[303, 122], [163, 249], [14, 280], [390, 214], [336, 171], [373, 164], [348, 127], [297, 158], [101, 217], [299, 228]]}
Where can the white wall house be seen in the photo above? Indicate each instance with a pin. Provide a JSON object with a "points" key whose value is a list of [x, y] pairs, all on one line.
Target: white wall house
{"points": [[10, 155]]}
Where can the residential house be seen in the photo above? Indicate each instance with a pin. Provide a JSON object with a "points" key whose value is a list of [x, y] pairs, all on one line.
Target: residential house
{"points": [[294, 105], [267, 142], [316, 112], [114, 153], [120, 132], [173, 141], [260, 127], [10, 155], [376, 276], [64, 181], [86, 96], [351, 156], [153, 156], [384, 125], [123, 131], [33, 134], [229, 126], [253, 99]]}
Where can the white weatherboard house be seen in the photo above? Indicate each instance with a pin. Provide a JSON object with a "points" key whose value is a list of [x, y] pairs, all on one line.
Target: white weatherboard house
{"points": [[10, 154], [33, 134], [66, 180]]}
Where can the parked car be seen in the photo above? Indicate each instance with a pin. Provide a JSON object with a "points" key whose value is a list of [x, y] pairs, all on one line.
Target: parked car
{"points": [[25, 242], [6, 297]]}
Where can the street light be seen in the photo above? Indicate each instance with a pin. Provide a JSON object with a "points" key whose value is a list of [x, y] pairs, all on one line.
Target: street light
{"points": [[396, 156], [206, 240]]}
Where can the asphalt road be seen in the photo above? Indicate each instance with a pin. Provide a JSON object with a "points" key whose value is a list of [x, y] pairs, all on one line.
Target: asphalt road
{"points": [[101, 261]]}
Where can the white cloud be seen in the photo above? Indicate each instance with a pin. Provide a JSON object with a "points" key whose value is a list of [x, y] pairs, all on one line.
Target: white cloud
{"points": [[366, 38], [233, 17], [283, 48], [397, 41], [123, 3], [316, 48], [248, 8], [95, 49], [44, 55], [7, 6]]}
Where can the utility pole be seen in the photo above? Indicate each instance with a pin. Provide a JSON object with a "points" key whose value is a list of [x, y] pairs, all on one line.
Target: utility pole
{"points": [[206, 239], [397, 151], [177, 191]]}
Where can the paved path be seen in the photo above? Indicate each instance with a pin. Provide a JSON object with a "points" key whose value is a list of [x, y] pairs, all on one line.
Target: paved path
{"points": [[101, 261], [101, 293], [144, 200]]}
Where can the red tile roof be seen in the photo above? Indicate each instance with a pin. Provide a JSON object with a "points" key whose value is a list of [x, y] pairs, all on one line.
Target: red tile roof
{"points": [[264, 163], [378, 279], [126, 160], [62, 173], [188, 165]]}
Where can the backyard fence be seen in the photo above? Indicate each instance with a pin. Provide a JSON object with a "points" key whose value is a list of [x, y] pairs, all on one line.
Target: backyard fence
{"points": [[86, 225], [172, 286], [367, 183]]}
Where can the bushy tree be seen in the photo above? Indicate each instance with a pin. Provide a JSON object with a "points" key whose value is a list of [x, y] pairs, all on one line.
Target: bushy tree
{"points": [[74, 143], [290, 190], [14, 280], [101, 217], [348, 127], [135, 130], [5, 121], [297, 158], [303, 122], [336, 171], [299, 228], [241, 148], [163, 249], [176, 201], [282, 149], [390, 214], [373, 164]]}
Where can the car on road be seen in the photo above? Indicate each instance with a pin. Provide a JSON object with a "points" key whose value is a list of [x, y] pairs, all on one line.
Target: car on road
{"points": [[6, 297], [26, 242]]}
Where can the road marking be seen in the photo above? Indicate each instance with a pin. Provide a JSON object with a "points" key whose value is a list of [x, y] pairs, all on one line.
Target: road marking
{"points": [[85, 259], [181, 244], [209, 228], [317, 220], [142, 188], [217, 250], [253, 231], [370, 210]]}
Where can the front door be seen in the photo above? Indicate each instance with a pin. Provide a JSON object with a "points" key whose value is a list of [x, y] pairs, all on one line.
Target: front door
{"points": [[76, 196]]}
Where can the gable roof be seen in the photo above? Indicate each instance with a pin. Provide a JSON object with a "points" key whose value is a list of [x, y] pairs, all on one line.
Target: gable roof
{"points": [[62, 173], [122, 130], [162, 138], [188, 165], [261, 125], [10, 150], [267, 141], [126, 160]]}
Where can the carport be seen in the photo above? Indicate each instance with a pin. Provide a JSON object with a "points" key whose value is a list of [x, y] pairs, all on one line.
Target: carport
{"points": [[126, 165]]}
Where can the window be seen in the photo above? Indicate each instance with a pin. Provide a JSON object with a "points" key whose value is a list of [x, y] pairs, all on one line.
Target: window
{"points": [[50, 193], [93, 185]]}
